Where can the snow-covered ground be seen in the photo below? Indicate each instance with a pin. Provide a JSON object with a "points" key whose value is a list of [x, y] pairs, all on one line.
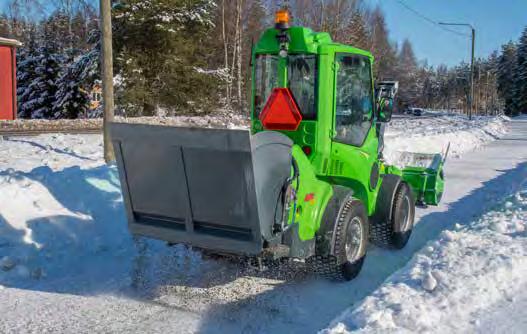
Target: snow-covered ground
{"points": [[450, 284], [68, 264], [218, 119], [434, 133]]}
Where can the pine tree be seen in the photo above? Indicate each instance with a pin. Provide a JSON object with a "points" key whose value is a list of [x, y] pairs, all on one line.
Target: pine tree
{"points": [[5, 31], [160, 55], [507, 77], [491, 103], [43, 88], [520, 91], [55, 32], [407, 75], [72, 98], [27, 62], [382, 49], [357, 31]]}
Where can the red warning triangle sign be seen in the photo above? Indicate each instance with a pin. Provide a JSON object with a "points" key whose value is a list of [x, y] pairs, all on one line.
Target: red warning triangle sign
{"points": [[281, 111]]}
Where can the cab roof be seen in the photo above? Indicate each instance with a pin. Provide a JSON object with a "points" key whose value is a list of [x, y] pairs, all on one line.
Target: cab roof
{"points": [[304, 40]]}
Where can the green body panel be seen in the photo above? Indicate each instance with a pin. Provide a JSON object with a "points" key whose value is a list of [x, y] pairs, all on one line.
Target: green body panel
{"points": [[302, 40], [332, 162], [352, 167], [313, 195]]}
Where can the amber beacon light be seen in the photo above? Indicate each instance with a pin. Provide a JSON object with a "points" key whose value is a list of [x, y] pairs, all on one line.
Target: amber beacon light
{"points": [[282, 19]]}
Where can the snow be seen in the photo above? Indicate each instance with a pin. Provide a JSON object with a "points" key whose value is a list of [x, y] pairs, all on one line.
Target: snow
{"points": [[446, 285], [55, 151], [434, 133], [218, 119], [68, 263]]}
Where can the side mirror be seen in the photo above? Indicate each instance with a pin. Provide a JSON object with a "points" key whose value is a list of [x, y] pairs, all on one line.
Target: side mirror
{"points": [[385, 109], [385, 95]]}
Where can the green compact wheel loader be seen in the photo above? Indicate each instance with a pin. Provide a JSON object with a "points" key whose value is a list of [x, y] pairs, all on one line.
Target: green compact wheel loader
{"points": [[308, 180]]}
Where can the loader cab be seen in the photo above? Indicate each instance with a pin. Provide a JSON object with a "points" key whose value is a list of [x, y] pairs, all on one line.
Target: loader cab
{"points": [[331, 85]]}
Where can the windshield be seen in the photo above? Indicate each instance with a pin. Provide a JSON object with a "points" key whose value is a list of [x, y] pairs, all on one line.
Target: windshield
{"points": [[302, 74]]}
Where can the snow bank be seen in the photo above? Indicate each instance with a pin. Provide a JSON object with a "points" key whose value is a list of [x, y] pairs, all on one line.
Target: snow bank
{"points": [[433, 134], [220, 119], [224, 120], [56, 151], [50, 125], [450, 281]]}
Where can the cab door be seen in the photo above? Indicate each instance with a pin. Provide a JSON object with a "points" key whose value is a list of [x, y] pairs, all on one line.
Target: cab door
{"points": [[355, 141]]}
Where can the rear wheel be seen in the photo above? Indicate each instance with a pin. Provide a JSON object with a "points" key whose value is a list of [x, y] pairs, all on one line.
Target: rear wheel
{"points": [[395, 232], [350, 241]]}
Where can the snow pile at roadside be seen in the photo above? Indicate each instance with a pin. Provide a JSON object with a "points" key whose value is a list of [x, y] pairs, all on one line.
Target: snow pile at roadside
{"points": [[50, 125], [219, 119], [56, 151], [433, 134], [447, 284]]}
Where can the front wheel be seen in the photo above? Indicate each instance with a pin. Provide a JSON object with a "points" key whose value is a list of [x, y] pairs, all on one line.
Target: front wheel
{"points": [[395, 232], [349, 244]]}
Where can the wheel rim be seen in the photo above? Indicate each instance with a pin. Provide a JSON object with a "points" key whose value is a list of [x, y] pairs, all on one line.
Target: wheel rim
{"points": [[405, 215], [354, 239]]}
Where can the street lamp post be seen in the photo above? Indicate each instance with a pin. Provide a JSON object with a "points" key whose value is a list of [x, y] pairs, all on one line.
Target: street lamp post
{"points": [[471, 97]]}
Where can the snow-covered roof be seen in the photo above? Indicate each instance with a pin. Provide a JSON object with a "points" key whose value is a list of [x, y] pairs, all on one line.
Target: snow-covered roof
{"points": [[10, 42]]}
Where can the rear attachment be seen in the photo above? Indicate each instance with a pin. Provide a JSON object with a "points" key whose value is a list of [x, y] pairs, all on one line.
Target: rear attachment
{"points": [[214, 189], [424, 173]]}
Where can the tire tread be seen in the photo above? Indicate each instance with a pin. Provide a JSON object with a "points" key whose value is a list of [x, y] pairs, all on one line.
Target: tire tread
{"points": [[330, 266]]}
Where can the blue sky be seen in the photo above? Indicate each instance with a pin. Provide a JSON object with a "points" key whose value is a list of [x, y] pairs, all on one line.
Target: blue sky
{"points": [[496, 22]]}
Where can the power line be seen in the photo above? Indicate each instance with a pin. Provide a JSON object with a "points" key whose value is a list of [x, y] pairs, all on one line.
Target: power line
{"points": [[424, 17]]}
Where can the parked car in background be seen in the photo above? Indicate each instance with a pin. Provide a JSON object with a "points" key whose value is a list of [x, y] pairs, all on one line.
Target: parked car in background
{"points": [[414, 111], [418, 111]]}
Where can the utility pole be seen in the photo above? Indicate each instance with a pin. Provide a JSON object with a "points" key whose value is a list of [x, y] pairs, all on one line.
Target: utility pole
{"points": [[472, 74], [488, 96], [471, 97], [107, 76]]}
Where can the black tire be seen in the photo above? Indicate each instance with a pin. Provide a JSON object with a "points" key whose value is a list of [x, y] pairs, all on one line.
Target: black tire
{"points": [[395, 232], [345, 265]]}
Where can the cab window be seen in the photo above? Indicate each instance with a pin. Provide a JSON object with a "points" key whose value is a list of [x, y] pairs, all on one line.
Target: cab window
{"points": [[302, 76], [265, 79], [302, 80], [354, 99]]}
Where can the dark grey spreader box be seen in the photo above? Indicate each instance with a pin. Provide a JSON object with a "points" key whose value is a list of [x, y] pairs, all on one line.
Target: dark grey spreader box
{"points": [[210, 188]]}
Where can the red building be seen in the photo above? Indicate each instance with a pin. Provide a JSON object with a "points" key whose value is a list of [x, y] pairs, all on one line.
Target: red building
{"points": [[8, 78]]}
